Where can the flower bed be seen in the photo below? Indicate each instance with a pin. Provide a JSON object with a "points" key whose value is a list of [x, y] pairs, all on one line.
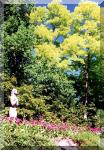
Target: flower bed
{"points": [[40, 132]]}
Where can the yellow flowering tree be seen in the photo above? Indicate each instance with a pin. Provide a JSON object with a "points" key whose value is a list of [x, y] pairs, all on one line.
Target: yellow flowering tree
{"points": [[70, 40], [50, 24]]}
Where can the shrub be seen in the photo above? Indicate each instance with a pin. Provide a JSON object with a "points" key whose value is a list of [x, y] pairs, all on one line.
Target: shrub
{"points": [[40, 133], [23, 135], [46, 91], [87, 139]]}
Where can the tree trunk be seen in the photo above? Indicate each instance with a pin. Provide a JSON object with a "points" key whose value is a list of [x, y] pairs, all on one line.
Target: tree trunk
{"points": [[86, 84]]}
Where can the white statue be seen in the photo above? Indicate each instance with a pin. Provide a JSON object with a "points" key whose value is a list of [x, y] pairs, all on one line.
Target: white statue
{"points": [[14, 104]]}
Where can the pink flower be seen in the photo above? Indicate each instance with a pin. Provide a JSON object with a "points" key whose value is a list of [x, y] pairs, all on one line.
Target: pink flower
{"points": [[95, 130], [34, 122], [18, 121]]}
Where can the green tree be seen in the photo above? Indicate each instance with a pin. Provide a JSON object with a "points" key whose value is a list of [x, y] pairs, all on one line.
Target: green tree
{"points": [[83, 45], [17, 46], [80, 47], [50, 84], [17, 40]]}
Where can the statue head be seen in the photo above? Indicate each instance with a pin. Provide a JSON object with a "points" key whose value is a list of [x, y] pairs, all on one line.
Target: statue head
{"points": [[14, 91]]}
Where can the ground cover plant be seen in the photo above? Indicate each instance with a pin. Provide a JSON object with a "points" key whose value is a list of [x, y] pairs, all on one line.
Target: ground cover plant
{"points": [[42, 133]]}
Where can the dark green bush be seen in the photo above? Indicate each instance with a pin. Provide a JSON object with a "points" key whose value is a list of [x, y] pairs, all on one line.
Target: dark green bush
{"points": [[49, 81]]}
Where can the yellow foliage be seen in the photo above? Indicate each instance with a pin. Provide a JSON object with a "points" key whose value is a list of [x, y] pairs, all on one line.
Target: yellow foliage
{"points": [[42, 32], [90, 25], [63, 64], [90, 10], [84, 24], [59, 15], [92, 44], [82, 53], [50, 51], [63, 30], [75, 58], [72, 44], [38, 14]]}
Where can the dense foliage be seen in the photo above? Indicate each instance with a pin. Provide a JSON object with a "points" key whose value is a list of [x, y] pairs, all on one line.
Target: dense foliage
{"points": [[17, 40], [41, 134], [52, 56]]}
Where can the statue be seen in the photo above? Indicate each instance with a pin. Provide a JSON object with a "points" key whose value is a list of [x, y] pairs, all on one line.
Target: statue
{"points": [[14, 104]]}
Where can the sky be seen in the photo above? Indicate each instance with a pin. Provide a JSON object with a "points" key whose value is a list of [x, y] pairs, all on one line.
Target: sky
{"points": [[102, 4], [77, 1], [70, 7], [64, 1]]}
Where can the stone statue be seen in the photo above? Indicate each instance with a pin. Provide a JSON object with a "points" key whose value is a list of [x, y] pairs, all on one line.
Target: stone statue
{"points": [[14, 104]]}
